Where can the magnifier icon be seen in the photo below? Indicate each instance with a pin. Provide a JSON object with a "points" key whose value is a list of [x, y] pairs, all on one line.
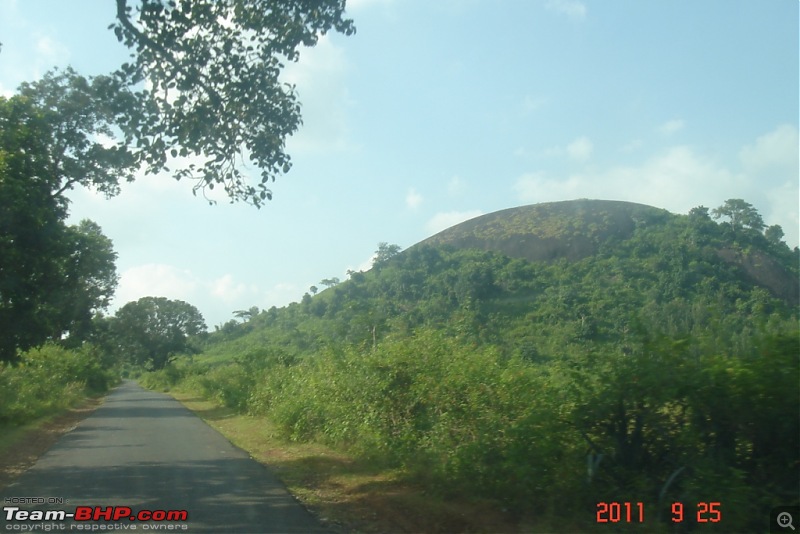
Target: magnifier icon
{"points": [[785, 520]]}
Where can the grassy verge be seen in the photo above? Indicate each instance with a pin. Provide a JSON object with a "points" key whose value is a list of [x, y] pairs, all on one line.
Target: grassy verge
{"points": [[354, 495], [21, 446]]}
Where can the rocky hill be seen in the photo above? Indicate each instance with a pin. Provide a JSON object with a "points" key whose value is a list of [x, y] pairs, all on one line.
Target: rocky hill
{"points": [[572, 229], [577, 229]]}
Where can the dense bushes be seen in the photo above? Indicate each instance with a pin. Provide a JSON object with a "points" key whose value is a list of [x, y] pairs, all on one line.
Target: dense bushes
{"points": [[468, 418], [462, 417], [48, 379]]}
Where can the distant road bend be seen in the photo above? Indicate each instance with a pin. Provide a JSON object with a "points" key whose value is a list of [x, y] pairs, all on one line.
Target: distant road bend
{"points": [[147, 452]]}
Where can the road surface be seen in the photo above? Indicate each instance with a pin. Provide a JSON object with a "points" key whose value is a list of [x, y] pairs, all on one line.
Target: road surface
{"points": [[145, 451]]}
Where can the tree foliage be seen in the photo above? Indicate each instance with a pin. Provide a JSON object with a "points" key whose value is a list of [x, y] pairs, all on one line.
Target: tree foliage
{"points": [[740, 214], [75, 119], [384, 253], [53, 277], [151, 331], [212, 88], [201, 90]]}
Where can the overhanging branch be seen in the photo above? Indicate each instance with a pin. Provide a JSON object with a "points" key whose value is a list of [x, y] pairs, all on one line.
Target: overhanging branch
{"points": [[122, 17]]}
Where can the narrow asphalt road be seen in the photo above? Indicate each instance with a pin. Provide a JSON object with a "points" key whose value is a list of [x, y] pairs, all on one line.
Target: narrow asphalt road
{"points": [[145, 451]]}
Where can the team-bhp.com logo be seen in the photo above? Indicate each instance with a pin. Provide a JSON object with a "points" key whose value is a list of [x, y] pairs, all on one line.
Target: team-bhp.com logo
{"points": [[94, 514]]}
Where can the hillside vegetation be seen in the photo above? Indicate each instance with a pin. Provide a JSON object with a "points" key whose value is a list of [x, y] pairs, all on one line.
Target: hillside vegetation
{"points": [[549, 357]]}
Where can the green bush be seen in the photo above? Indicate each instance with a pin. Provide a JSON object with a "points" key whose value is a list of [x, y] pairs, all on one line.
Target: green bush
{"points": [[48, 379], [457, 415], [163, 379]]}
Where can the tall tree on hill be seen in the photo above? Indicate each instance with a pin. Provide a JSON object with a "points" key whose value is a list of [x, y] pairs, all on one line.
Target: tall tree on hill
{"points": [[740, 214]]}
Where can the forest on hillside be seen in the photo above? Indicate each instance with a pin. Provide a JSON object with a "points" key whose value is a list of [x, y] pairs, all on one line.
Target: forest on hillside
{"points": [[662, 369]]}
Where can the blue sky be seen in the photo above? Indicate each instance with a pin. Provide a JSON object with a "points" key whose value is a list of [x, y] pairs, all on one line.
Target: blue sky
{"points": [[439, 111]]}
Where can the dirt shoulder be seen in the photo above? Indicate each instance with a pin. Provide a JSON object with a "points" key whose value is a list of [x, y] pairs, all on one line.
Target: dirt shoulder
{"points": [[22, 446]]}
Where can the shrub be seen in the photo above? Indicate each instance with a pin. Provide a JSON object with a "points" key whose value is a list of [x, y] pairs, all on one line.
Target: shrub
{"points": [[48, 379]]}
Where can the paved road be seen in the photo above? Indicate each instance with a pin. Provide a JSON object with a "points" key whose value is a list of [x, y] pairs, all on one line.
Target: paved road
{"points": [[145, 451]]}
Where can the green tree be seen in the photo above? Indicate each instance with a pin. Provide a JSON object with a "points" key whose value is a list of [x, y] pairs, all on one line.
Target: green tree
{"points": [[774, 234], [74, 121], [246, 315], [741, 214], [214, 90], [384, 253], [89, 278], [699, 212], [152, 331], [52, 277]]}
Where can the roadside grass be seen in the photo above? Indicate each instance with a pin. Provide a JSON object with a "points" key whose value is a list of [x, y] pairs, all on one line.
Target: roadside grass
{"points": [[353, 495], [22, 445]]}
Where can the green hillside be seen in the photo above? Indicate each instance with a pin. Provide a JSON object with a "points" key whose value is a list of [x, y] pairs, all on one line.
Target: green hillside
{"points": [[547, 357]]}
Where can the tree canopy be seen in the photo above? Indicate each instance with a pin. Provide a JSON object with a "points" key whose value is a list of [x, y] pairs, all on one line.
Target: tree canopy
{"points": [[740, 214], [53, 277], [203, 85], [201, 91], [153, 330]]}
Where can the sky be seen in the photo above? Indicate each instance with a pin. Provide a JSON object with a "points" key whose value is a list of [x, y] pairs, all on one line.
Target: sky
{"points": [[435, 112]]}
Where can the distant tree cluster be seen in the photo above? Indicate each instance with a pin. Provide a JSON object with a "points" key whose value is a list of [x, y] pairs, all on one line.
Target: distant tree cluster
{"points": [[152, 331]]}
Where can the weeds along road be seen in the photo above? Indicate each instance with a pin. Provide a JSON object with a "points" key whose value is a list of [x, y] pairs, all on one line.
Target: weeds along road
{"points": [[145, 451]]}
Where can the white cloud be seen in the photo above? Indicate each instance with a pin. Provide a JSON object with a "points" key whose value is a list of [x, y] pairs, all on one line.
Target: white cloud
{"points": [[175, 283], [365, 265], [319, 76], [774, 153], [282, 294], [783, 210], [444, 220], [571, 8], [531, 103], [678, 179], [50, 51], [672, 126], [226, 289], [455, 186], [632, 146], [413, 199], [775, 158], [580, 149], [156, 280]]}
